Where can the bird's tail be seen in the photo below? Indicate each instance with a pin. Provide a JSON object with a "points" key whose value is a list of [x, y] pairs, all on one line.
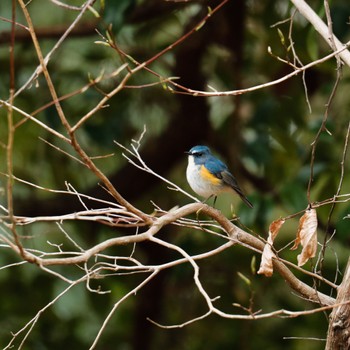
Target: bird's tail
{"points": [[230, 181], [238, 190], [245, 200]]}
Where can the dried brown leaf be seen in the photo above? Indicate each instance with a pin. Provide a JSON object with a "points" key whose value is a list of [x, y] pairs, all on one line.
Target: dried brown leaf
{"points": [[307, 236], [275, 227], [266, 266]]}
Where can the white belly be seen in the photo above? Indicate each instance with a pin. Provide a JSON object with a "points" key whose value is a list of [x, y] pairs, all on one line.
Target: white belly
{"points": [[199, 185]]}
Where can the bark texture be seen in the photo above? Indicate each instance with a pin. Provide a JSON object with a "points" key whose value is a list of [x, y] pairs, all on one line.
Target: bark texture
{"points": [[338, 337]]}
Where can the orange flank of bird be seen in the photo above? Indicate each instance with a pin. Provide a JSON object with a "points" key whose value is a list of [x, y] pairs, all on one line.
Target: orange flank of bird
{"points": [[207, 175]]}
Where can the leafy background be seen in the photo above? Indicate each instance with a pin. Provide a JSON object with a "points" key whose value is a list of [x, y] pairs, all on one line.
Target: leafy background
{"points": [[265, 136]]}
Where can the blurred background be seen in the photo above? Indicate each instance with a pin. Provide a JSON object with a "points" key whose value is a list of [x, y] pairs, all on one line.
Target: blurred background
{"points": [[265, 136]]}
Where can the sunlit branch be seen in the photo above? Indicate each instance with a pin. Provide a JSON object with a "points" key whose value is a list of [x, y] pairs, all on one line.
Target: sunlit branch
{"points": [[322, 29]]}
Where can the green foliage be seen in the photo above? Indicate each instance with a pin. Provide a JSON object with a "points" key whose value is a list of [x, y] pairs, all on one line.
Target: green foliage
{"points": [[265, 136]]}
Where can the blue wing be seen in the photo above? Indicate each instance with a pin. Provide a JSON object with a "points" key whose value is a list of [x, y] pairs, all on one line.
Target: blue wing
{"points": [[220, 170], [215, 166]]}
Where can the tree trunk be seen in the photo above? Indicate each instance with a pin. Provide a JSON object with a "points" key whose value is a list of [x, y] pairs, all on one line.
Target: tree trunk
{"points": [[338, 337]]}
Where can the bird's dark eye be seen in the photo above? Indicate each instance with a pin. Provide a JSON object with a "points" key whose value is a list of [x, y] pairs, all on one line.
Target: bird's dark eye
{"points": [[197, 154]]}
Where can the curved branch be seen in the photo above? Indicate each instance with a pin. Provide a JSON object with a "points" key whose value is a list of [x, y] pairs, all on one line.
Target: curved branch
{"points": [[243, 237], [237, 235]]}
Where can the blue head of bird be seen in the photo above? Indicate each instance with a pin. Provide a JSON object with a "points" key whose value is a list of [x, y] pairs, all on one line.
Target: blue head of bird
{"points": [[201, 180], [208, 176], [199, 154]]}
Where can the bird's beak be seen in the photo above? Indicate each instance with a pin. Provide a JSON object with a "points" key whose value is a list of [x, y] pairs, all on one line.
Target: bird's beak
{"points": [[188, 152]]}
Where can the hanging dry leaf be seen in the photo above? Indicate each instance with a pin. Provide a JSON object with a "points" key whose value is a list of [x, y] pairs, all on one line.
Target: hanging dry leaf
{"points": [[266, 266], [275, 228], [307, 236]]}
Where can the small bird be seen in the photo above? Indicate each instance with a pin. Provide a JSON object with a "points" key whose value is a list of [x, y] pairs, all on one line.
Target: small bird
{"points": [[208, 176]]}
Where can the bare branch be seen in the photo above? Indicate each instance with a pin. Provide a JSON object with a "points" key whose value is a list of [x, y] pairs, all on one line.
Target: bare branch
{"points": [[322, 29]]}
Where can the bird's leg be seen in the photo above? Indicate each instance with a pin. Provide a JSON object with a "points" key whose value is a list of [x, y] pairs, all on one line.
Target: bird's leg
{"points": [[215, 197], [203, 202], [206, 200]]}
